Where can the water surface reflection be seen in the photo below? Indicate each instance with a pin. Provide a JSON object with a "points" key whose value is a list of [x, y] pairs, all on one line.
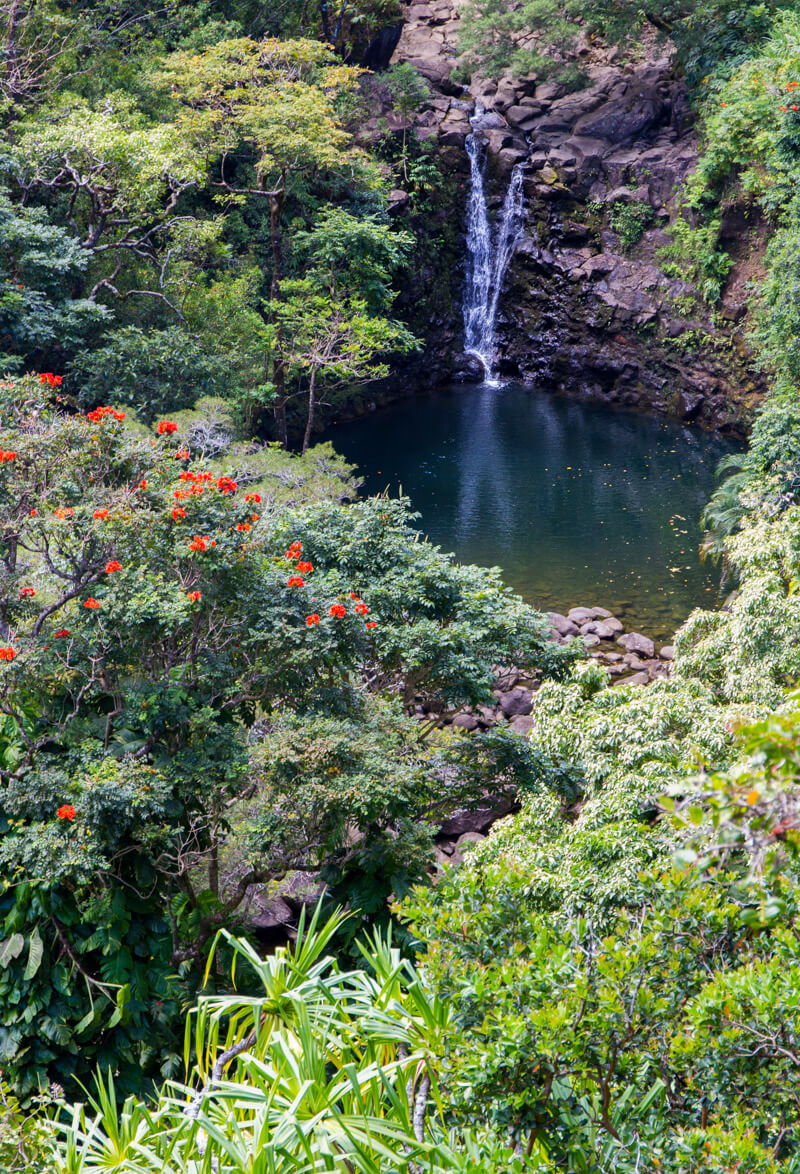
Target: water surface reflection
{"points": [[577, 503]]}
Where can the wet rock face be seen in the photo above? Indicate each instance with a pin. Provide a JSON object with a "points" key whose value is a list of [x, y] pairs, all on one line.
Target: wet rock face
{"points": [[588, 309]]}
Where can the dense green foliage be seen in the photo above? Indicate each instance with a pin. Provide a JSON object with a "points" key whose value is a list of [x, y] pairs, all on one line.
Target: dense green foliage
{"points": [[540, 36], [212, 669], [184, 658], [167, 179]]}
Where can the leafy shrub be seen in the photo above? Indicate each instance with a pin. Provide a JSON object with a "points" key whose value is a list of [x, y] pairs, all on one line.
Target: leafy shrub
{"points": [[630, 220], [153, 372]]}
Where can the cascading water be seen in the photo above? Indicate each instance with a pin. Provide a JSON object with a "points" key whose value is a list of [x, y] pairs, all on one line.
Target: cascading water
{"points": [[488, 255]]}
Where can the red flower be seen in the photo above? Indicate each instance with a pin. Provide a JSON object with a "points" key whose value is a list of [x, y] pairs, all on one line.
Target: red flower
{"points": [[312, 620], [7, 456], [294, 581], [66, 811], [182, 454], [354, 595], [255, 517], [178, 513], [227, 485], [48, 377], [371, 624], [294, 551], [59, 634], [361, 609], [198, 543], [92, 603], [27, 591], [195, 596], [338, 610], [7, 653], [113, 566], [33, 513], [252, 497], [794, 107], [143, 485], [166, 427], [305, 568], [100, 514], [100, 413], [243, 526], [61, 512]]}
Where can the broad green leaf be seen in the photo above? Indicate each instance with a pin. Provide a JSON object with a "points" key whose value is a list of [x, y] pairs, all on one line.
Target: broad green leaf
{"points": [[11, 948], [35, 953]]}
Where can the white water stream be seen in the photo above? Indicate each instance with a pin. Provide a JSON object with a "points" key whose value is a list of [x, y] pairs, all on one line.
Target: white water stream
{"points": [[489, 251]]}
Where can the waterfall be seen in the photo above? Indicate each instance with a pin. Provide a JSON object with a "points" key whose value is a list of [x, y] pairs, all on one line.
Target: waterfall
{"points": [[488, 255]]}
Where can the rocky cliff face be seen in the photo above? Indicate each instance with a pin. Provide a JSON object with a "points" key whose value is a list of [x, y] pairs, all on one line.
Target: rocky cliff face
{"points": [[588, 308]]}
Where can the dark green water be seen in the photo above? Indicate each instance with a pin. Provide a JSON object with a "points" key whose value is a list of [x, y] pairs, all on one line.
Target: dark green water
{"points": [[578, 504]]}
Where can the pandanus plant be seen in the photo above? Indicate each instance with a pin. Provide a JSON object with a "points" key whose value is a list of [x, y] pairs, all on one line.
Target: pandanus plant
{"points": [[325, 1071]]}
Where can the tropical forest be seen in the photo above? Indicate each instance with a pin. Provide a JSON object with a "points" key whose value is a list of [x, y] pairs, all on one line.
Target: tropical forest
{"points": [[400, 587]]}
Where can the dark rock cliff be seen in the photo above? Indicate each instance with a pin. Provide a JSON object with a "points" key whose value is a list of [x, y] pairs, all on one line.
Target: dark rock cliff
{"points": [[588, 308]]}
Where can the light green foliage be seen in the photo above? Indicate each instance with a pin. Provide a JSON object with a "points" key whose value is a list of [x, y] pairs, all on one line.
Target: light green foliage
{"points": [[329, 340], [26, 1138], [751, 157], [123, 176], [276, 96], [612, 752], [594, 1043], [352, 255], [161, 174], [321, 1070], [407, 88], [750, 651], [496, 35], [330, 331]]}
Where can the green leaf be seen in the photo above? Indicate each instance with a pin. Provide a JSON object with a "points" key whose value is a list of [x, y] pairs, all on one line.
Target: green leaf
{"points": [[11, 949], [87, 1020], [35, 953]]}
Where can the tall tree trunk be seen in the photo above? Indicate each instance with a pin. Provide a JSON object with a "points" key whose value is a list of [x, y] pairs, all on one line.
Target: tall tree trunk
{"points": [[326, 21], [311, 405], [213, 865]]}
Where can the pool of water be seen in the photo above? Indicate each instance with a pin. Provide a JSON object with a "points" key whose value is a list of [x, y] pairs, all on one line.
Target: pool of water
{"points": [[577, 504]]}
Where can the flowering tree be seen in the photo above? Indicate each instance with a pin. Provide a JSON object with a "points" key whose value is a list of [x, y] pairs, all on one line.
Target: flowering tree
{"points": [[162, 625]]}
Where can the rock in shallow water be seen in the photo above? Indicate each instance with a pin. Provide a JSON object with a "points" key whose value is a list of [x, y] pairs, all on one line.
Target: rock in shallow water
{"points": [[636, 642], [562, 625]]}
